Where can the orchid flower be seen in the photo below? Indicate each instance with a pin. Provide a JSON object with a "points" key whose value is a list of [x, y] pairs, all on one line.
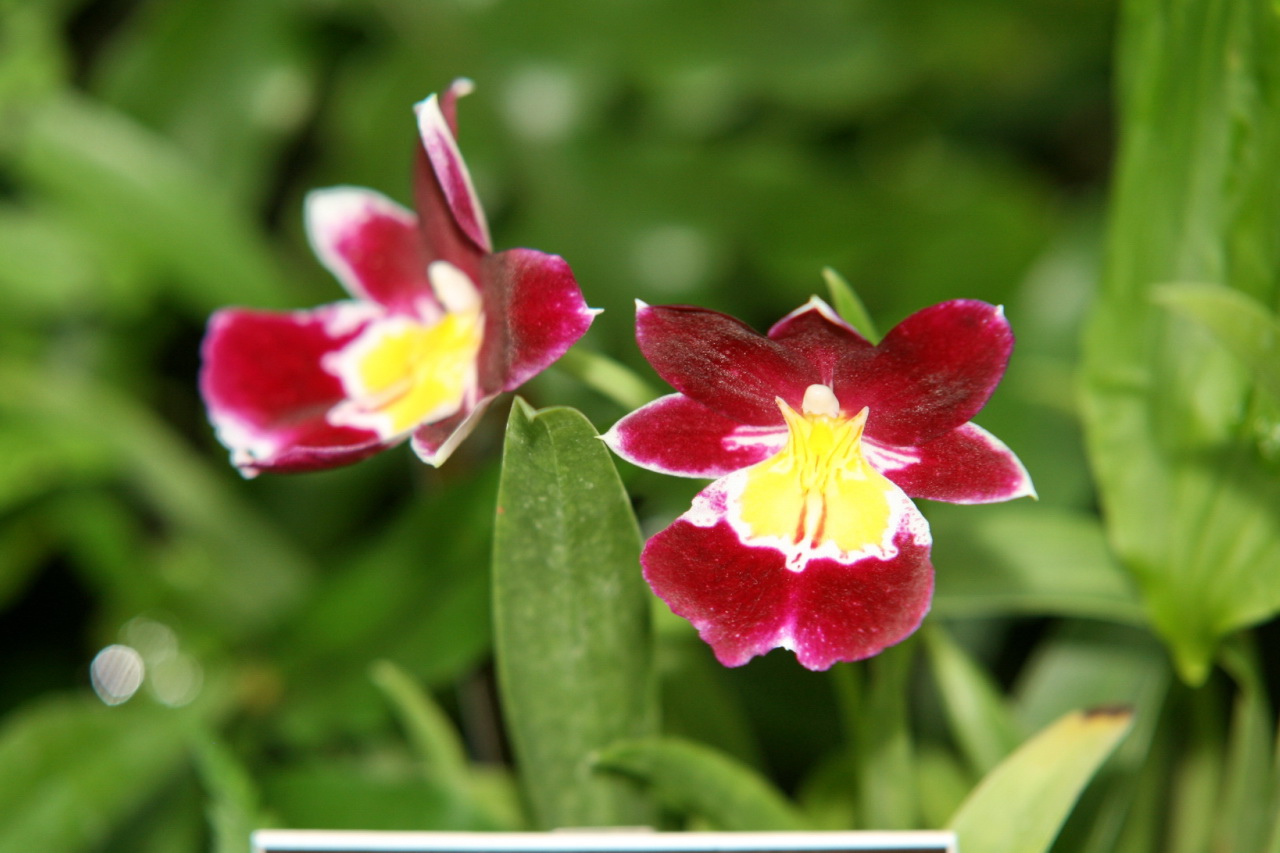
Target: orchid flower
{"points": [[808, 538], [436, 327]]}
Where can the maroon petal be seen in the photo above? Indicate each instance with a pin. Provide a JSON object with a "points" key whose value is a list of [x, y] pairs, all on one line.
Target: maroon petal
{"points": [[534, 312], [967, 466], [736, 596], [440, 233], [850, 612], [267, 393], [818, 333], [451, 174], [373, 246], [723, 363], [678, 436], [933, 372], [744, 601]]}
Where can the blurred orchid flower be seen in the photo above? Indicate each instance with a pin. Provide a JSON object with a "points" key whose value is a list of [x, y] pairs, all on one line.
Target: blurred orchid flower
{"points": [[436, 327], [808, 538]]}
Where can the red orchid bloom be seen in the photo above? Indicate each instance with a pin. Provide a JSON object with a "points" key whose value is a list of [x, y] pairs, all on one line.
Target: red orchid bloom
{"points": [[808, 539], [436, 327]]}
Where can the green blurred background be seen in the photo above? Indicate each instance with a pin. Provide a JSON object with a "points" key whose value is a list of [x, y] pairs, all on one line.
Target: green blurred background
{"points": [[153, 160]]}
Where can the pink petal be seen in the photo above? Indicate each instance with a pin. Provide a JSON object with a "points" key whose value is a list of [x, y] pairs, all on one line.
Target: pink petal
{"points": [[267, 394], [435, 442], [449, 101], [723, 363], [744, 601], [678, 436], [818, 333], [933, 372], [534, 312], [373, 246], [451, 173], [967, 466]]}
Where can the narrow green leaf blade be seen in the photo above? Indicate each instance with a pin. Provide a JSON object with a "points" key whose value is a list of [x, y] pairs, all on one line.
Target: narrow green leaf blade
{"points": [[232, 807], [610, 378], [693, 779], [429, 729], [1021, 804], [571, 617], [883, 743], [1248, 790], [847, 304], [979, 718]]}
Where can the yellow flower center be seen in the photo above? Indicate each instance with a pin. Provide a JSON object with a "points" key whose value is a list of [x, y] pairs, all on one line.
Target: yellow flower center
{"points": [[819, 496], [400, 372]]}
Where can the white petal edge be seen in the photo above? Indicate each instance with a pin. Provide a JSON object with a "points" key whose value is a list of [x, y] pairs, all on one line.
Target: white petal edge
{"points": [[442, 149]]}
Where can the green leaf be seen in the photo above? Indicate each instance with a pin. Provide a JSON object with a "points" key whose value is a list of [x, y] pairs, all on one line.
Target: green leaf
{"points": [[221, 557], [1031, 560], [696, 780], [1096, 664], [339, 795], [1189, 503], [1020, 805], [882, 741], [74, 769], [1237, 320], [135, 191], [607, 377], [847, 304], [1246, 806], [432, 733], [232, 805], [976, 711], [571, 614]]}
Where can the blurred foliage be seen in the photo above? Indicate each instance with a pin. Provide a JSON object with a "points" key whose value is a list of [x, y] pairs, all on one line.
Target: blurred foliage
{"points": [[153, 160]]}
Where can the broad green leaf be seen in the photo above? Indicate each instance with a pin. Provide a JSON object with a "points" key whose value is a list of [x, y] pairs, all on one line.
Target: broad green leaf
{"points": [[1096, 664], [1029, 560], [979, 718], [571, 617], [847, 304], [695, 780], [1190, 505], [1237, 320], [1020, 805], [74, 769]]}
